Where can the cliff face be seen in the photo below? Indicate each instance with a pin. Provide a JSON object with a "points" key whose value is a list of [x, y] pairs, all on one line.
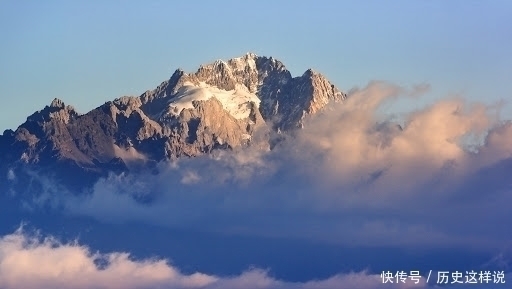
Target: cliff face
{"points": [[220, 106]]}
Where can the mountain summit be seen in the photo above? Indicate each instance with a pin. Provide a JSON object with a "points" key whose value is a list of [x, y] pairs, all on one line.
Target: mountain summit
{"points": [[220, 106]]}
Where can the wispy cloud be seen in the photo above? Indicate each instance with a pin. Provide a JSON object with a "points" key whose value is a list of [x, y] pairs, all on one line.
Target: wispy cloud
{"points": [[11, 176]]}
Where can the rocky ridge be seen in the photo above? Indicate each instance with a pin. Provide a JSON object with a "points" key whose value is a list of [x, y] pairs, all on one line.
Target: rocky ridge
{"points": [[220, 106]]}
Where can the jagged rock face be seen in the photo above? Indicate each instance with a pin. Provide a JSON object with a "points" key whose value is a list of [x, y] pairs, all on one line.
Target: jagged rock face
{"points": [[207, 126], [220, 106], [285, 100]]}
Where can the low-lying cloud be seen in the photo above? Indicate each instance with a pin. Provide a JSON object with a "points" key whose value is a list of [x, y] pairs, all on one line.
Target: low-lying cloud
{"points": [[436, 177], [31, 261]]}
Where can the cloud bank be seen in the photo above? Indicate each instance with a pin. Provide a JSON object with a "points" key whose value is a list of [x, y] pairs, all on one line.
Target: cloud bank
{"points": [[437, 176], [29, 261]]}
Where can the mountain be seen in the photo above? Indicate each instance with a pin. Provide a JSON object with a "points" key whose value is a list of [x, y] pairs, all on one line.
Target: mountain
{"points": [[223, 105]]}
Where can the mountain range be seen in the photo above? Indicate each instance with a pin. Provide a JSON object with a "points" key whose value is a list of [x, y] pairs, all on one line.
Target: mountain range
{"points": [[223, 105]]}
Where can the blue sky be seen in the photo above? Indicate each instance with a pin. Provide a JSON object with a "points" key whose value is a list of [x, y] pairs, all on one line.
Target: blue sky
{"points": [[87, 52]]}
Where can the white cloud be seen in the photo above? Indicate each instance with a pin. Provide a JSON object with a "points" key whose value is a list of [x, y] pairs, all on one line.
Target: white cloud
{"points": [[33, 262], [351, 176]]}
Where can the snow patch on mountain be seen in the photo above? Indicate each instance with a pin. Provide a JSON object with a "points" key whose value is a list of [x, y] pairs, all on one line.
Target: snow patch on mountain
{"points": [[236, 102]]}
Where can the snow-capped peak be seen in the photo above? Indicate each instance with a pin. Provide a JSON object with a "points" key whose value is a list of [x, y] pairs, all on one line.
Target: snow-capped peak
{"points": [[219, 62], [240, 63], [240, 81], [251, 55]]}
